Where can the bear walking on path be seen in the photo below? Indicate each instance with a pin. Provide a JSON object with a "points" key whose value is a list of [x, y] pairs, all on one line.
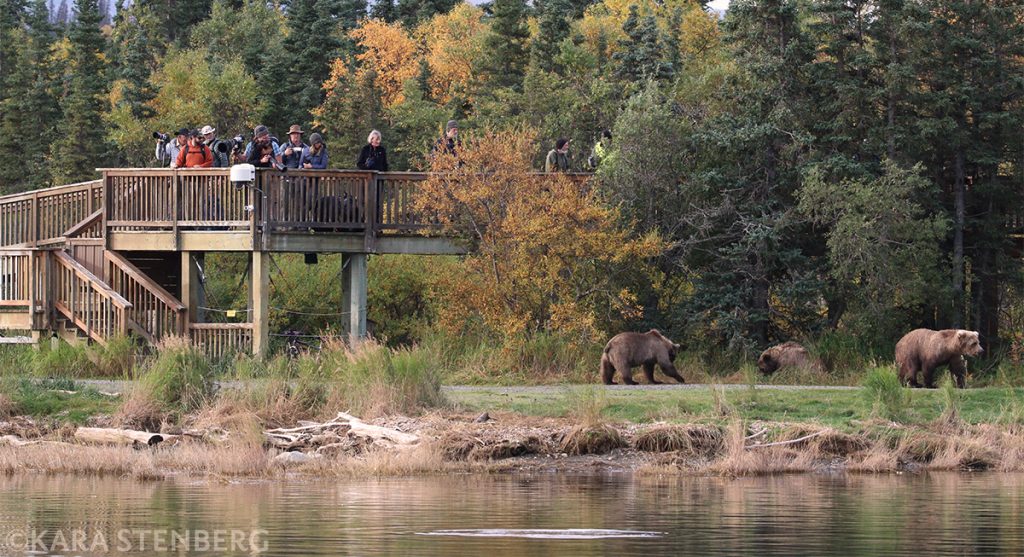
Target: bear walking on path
{"points": [[923, 350], [628, 350]]}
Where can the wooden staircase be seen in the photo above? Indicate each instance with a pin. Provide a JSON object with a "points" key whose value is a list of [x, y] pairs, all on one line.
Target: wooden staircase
{"points": [[56, 275]]}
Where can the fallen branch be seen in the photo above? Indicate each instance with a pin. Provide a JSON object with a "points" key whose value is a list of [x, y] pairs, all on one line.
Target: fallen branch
{"points": [[364, 429], [790, 442], [329, 435], [120, 436]]}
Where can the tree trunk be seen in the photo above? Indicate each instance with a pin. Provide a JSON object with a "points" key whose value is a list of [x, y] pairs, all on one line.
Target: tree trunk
{"points": [[959, 218]]}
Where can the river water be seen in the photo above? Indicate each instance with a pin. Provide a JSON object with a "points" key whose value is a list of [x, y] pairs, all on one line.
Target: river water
{"points": [[517, 515]]}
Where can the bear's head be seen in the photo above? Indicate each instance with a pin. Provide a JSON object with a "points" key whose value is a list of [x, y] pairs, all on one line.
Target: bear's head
{"points": [[968, 343], [767, 364]]}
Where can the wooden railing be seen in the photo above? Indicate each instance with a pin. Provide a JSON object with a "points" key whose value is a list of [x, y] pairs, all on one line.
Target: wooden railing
{"points": [[317, 199], [89, 303], [154, 312], [395, 196], [294, 201], [16, 279], [222, 339], [31, 218]]}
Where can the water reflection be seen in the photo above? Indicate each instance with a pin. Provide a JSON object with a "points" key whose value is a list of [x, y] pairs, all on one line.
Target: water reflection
{"points": [[937, 514]]}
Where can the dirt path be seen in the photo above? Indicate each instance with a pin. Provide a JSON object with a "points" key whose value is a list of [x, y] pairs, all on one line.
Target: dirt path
{"points": [[115, 386]]}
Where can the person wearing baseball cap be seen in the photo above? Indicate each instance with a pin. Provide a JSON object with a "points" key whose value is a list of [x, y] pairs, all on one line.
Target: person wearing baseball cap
{"points": [[173, 147]]}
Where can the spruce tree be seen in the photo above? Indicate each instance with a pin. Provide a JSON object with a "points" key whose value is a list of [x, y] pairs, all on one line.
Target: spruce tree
{"points": [[412, 12], [178, 16], [299, 69], [11, 15], [82, 146], [134, 52], [63, 16], [745, 241], [30, 110], [642, 53], [385, 10], [506, 55], [553, 29]]}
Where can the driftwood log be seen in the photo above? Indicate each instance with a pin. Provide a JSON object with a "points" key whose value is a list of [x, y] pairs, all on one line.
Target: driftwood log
{"points": [[344, 430], [107, 436]]}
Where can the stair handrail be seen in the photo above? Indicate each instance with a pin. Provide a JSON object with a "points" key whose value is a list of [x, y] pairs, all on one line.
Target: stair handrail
{"points": [[138, 322], [84, 225], [84, 320]]}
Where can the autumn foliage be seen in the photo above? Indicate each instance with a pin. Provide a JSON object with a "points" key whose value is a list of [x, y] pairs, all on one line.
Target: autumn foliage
{"points": [[546, 251]]}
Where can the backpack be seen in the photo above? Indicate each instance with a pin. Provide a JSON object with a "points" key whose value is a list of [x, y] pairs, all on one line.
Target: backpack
{"points": [[203, 151]]}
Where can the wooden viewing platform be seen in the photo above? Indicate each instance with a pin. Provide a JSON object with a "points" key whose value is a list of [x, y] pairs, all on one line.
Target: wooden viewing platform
{"points": [[121, 255]]}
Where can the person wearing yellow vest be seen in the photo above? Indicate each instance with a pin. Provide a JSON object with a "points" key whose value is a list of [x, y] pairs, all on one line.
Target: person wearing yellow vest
{"points": [[600, 150]]}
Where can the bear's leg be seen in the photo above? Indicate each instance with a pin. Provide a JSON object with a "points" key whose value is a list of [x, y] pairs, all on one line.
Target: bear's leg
{"points": [[929, 376], [670, 371], [626, 372], [908, 373], [607, 370], [649, 373], [958, 369]]}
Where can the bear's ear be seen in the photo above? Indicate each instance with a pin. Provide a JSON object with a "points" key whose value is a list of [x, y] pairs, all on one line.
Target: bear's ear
{"points": [[676, 346]]}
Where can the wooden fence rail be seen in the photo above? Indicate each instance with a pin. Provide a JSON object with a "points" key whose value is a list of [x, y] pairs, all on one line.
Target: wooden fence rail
{"points": [[15, 278], [222, 339]]}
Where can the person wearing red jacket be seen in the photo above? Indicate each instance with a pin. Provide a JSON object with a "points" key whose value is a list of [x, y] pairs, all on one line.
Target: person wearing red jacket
{"points": [[195, 154]]}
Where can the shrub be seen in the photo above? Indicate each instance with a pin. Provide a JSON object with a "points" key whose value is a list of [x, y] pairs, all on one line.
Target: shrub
{"points": [[115, 359], [370, 380], [62, 360], [885, 394], [180, 377]]}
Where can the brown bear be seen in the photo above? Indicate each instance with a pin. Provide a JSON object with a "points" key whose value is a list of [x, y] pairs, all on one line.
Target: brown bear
{"points": [[924, 350], [628, 350], [787, 354]]}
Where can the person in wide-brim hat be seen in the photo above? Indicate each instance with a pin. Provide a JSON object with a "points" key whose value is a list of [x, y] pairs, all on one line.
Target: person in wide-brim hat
{"points": [[290, 153]]}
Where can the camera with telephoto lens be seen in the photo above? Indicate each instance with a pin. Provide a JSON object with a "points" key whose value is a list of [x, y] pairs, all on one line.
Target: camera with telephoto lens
{"points": [[161, 136], [235, 145]]}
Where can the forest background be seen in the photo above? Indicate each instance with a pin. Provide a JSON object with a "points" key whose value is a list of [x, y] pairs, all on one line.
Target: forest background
{"points": [[831, 171]]}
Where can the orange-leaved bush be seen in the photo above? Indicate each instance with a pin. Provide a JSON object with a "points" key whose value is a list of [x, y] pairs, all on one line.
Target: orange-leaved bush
{"points": [[546, 253]]}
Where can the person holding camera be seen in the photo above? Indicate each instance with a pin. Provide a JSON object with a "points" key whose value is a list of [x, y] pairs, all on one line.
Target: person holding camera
{"points": [[261, 152], [373, 156], [195, 154], [167, 149], [217, 147], [290, 153], [315, 157]]}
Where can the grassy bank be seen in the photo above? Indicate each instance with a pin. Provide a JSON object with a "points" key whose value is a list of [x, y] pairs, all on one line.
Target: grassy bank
{"points": [[736, 429]]}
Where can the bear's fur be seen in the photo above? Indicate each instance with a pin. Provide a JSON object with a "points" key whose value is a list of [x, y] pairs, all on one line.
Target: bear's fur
{"points": [[628, 350], [787, 354], [923, 350]]}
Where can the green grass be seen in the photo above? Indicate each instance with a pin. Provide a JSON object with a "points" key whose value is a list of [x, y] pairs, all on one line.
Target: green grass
{"points": [[44, 398], [836, 408]]}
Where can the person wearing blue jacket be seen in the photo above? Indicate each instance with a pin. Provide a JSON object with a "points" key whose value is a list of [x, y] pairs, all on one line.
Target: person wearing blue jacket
{"points": [[314, 157]]}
